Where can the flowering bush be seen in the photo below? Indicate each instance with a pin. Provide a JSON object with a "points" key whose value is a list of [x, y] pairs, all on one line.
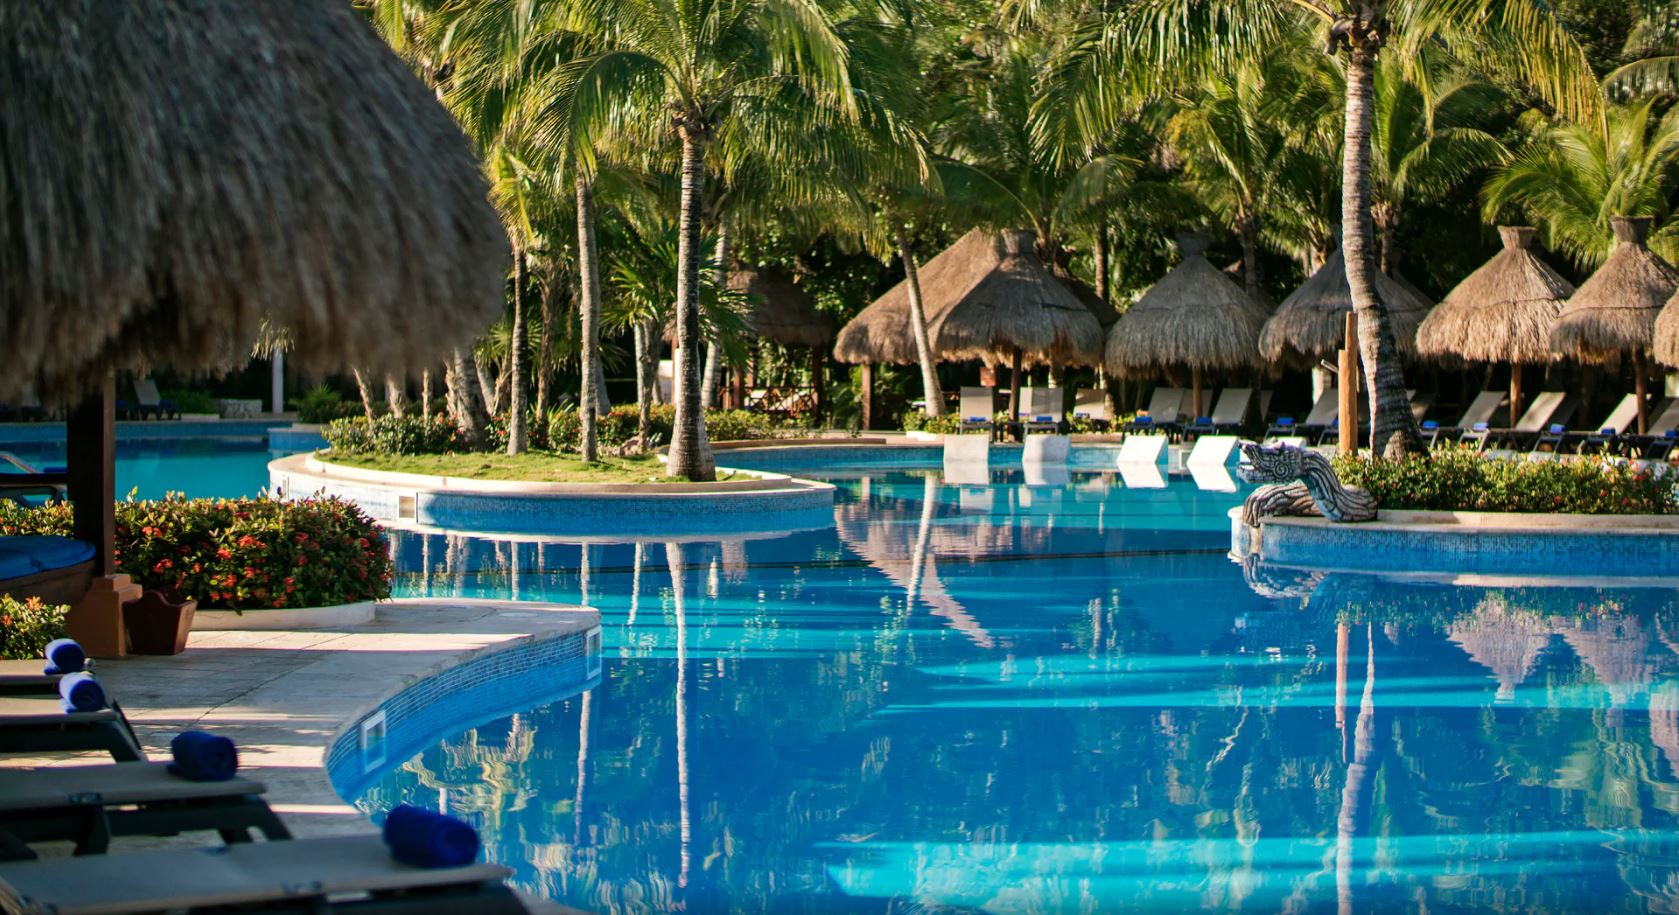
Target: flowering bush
{"points": [[408, 434], [238, 554], [27, 626], [1462, 479]]}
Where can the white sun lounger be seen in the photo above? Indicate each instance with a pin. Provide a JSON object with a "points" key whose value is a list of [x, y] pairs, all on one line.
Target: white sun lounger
{"points": [[1142, 449], [1091, 404], [1212, 451], [274, 873], [1231, 410], [979, 408], [1166, 405], [88, 805], [1043, 409]]}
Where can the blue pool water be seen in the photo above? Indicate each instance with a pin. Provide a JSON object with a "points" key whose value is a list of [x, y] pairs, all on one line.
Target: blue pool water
{"points": [[195, 467], [1003, 697]]}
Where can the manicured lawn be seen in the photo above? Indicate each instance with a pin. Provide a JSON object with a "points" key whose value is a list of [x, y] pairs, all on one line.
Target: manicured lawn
{"points": [[532, 466]]}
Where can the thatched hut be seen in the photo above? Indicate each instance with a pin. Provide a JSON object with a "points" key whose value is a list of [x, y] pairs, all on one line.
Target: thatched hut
{"points": [[1502, 312], [1311, 323], [987, 296], [1195, 316], [177, 172], [1614, 311], [778, 310]]}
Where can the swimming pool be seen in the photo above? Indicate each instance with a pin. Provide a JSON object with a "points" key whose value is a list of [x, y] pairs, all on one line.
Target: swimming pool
{"points": [[195, 467], [997, 696]]}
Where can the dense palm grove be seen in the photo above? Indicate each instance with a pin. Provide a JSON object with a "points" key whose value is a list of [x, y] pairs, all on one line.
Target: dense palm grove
{"points": [[640, 149]]}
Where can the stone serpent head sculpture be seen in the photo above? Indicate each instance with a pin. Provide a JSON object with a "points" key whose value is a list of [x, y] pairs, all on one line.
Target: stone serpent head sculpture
{"points": [[1299, 482]]}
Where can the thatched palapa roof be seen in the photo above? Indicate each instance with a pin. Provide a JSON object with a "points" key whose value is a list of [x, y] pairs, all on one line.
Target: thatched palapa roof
{"points": [[985, 296], [1503, 311], [780, 310], [176, 171], [1311, 323], [1196, 316], [1614, 311]]}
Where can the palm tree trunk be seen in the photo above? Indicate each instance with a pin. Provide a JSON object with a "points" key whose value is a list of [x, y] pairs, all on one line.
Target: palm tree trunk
{"points": [[713, 352], [468, 408], [545, 355], [1102, 267], [425, 394], [488, 387], [646, 370], [690, 453], [516, 361], [396, 400], [588, 306], [1247, 231], [366, 395], [1393, 430], [918, 325]]}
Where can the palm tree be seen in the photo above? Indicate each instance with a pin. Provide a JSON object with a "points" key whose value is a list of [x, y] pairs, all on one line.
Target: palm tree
{"points": [[1142, 48], [748, 71], [1574, 177]]}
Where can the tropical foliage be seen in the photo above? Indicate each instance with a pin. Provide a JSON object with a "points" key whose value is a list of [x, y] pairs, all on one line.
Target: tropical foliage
{"points": [[1463, 479]]}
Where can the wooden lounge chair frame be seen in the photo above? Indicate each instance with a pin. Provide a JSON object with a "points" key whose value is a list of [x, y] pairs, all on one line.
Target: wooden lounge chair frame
{"points": [[339, 874], [34, 724], [89, 805]]}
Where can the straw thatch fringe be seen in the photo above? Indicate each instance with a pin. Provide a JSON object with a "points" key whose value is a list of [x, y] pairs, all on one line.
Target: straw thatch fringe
{"points": [[1503, 311], [780, 310], [1666, 348], [1195, 316], [176, 171], [1614, 311], [986, 295], [1311, 323]]}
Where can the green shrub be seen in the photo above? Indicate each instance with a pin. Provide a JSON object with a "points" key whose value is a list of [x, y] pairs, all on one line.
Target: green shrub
{"points": [[321, 405], [191, 401], [1463, 479], [408, 434], [919, 421], [27, 626], [237, 554]]}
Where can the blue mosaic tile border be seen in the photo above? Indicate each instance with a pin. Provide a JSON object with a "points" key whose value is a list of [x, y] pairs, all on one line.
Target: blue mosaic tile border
{"points": [[483, 688], [292, 441]]}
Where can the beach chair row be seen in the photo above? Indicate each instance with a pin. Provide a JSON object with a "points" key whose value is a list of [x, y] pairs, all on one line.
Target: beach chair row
{"points": [[1041, 409], [1171, 410], [1549, 424], [423, 863]]}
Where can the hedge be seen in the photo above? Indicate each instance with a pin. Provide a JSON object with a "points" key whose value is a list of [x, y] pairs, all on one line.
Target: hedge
{"points": [[27, 626], [1463, 479], [237, 554], [559, 430]]}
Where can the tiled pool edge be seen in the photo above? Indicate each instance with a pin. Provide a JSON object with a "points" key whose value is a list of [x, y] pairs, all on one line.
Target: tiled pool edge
{"points": [[1469, 542]]}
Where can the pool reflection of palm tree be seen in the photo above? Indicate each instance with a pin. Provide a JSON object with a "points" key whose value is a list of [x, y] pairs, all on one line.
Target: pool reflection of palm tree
{"points": [[678, 598], [1360, 783]]}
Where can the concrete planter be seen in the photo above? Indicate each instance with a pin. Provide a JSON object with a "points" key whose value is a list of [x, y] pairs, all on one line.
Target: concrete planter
{"points": [[291, 618]]}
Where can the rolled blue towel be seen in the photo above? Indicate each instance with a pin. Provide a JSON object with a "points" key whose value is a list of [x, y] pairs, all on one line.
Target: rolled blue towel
{"points": [[64, 656], [203, 757], [422, 838], [79, 692]]}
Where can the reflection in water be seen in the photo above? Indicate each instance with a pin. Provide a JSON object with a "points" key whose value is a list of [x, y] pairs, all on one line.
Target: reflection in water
{"points": [[1020, 698]]}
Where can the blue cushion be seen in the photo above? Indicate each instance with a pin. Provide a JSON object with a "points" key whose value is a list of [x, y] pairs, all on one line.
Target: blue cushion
{"points": [[1430, 424], [1143, 420], [1479, 427], [20, 556], [1043, 419], [1203, 420], [1671, 433], [1557, 428], [1606, 430], [1285, 421]]}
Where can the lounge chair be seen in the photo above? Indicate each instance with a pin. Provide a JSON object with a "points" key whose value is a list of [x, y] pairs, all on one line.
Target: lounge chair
{"points": [[24, 480], [357, 872], [1617, 428], [1165, 409], [58, 570], [1479, 413], [1658, 444], [90, 805], [1327, 410], [1557, 436], [979, 409], [1550, 408], [39, 724], [1045, 409], [1231, 410], [1092, 404], [150, 402]]}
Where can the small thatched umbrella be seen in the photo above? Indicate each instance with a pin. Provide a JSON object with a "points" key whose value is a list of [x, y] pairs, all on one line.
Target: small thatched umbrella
{"points": [[1500, 313], [1196, 316], [987, 296], [1311, 323], [1614, 311], [779, 310], [177, 172]]}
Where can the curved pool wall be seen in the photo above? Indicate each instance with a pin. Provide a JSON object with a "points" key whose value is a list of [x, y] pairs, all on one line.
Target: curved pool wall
{"points": [[1614, 546], [490, 685], [917, 456], [777, 505]]}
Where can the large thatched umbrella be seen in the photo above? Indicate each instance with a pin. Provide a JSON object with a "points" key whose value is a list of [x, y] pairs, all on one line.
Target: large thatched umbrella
{"points": [[1311, 323], [988, 296], [1614, 311], [175, 172], [1500, 313], [1196, 316], [779, 310]]}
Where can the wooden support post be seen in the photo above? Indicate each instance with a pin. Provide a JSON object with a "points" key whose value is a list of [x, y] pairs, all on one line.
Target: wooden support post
{"points": [[1638, 388], [1014, 388], [1195, 392], [866, 400], [90, 435], [1515, 394], [1349, 388]]}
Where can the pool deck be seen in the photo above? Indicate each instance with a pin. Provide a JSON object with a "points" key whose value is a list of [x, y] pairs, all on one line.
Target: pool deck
{"points": [[283, 695]]}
